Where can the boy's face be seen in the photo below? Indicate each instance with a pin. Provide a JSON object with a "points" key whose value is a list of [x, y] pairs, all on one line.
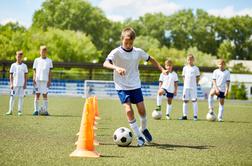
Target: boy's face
{"points": [[168, 67], [190, 61], [19, 57], [221, 65], [43, 53], [127, 43]]}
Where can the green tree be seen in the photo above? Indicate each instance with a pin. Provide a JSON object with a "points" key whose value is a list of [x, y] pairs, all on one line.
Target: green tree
{"points": [[225, 51]]}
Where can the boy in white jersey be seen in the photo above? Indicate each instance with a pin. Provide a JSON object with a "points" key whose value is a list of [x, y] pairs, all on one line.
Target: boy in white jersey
{"points": [[220, 88], [191, 76], [168, 85], [18, 80], [124, 60], [42, 79]]}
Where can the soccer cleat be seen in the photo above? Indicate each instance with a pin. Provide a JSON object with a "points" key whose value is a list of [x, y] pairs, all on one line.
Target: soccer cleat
{"points": [[19, 113], [147, 135], [220, 120], [140, 141], [35, 113], [195, 118], [183, 118], [167, 117], [158, 108], [8, 113], [46, 113]]}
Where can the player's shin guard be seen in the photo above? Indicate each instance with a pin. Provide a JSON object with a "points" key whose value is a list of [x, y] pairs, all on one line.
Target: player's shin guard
{"points": [[143, 121], [195, 108], [11, 103], [20, 104], [45, 104], [159, 100], [210, 102], [134, 127], [185, 109], [36, 104], [221, 110], [168, 109]]}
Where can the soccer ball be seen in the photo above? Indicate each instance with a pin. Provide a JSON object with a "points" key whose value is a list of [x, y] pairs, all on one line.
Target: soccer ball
{"points": [[156, 115], [211, 116], [42, 111], [122, 136]]}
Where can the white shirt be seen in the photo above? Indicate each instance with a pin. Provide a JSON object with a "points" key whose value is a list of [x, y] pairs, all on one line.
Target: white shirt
{"points": [[190, 74], [129, 61], [18, 71], [168, 81], [221, 77], [42, 67]]}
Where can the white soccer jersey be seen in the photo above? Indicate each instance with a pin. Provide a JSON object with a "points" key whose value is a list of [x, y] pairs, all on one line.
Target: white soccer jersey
{"points": [[18, 71], [190, 74], [129, 61], [42, 67], [168, 81], [221, 77]]}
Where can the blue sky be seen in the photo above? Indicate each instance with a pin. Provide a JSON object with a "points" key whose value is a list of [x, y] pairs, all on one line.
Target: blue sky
{"points": [[22, 10]]}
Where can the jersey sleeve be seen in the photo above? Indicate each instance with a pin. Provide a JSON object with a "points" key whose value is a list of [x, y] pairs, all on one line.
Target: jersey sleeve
{"points": [[112, 56], [12, 69], [175, 77], [161, 78], [143, 55], [214, 75], [51, 64], [26, 69], [35, 64], [228, 76]]}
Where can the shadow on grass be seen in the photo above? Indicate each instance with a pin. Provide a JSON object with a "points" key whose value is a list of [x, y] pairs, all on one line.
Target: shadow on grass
{"points": [[225, 121], [110, 156], [173, 146], [130, 146], [60, 116]]}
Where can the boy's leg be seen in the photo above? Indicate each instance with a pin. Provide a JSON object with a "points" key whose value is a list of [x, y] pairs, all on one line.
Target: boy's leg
{"points": [[168, 108], [185, 99], [20, 100], [132, 122], [143, 121], [221, 110], [45, 102], [195, 110], [211, 100], [11, 105], [159, 99], [36, 104]]}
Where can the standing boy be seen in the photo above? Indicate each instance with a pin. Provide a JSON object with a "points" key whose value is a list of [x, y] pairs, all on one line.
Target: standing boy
{"points": [[168, 85], [42, 80], [18, 80], [220, 88], [191, 75], [124, 60]]}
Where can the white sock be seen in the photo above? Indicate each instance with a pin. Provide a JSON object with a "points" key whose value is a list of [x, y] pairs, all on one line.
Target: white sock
{"points": [[195, 108], [168, 109], [210, 102], [11, 103], [20, 104], [143, 121], [185, 109], [134, 127], [159, 100], [221, 110], [45, 104], [36, 104]]}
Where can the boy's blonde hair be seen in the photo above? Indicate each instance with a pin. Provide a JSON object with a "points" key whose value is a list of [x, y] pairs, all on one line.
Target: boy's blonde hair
{"points": [[19, 52], [168, 62], [220, 61], [128, 32], [190, 56]]}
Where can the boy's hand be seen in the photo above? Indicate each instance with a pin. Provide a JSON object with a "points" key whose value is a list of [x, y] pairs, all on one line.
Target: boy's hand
{"points": [[121, 71], [34, 83], [165, 72], [217, 91], [24, 87], [226, 93], [11, 87], [175, 93], [48, 84]]}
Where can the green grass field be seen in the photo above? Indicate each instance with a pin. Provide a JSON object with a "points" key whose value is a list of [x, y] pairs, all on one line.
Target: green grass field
{"points": [[29, 140]]}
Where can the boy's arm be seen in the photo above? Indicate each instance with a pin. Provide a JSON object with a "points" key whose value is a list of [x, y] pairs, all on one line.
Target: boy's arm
{"points": [[160, 84], [109, 65], [197, 79], [11, 80], [25, 80], [227, 88], [34, 77], [176, 88], [49, 79], [215, 86], [157, 65]]}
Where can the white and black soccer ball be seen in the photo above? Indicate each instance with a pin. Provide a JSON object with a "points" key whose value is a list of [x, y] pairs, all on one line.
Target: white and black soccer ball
{"points": [[122, 136], [157, 115], [211, 116], [42, 111]]}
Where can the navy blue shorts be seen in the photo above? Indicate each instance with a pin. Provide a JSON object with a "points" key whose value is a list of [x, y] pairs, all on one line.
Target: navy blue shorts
{"points": [[168, 94], [134, 96], [221, 95]]}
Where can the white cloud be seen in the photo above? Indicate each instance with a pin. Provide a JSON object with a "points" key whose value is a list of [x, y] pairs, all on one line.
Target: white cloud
{"points": [[8, 20], [229, 11], [120, 10]]}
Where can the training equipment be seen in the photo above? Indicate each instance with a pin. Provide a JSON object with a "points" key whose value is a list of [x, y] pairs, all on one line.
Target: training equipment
{"points": [[157, 115], [211, 116], [122, 136]]}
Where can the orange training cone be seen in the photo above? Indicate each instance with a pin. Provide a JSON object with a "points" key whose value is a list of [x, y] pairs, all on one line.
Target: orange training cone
{"points": [[97, 115], [85, 145]]}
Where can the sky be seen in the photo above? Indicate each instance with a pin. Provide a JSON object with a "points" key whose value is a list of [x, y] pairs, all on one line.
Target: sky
{"points": [[118, 10]]}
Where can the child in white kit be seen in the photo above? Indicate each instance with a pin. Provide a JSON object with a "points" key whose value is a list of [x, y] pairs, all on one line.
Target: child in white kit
{"points": [[18, 80]]}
